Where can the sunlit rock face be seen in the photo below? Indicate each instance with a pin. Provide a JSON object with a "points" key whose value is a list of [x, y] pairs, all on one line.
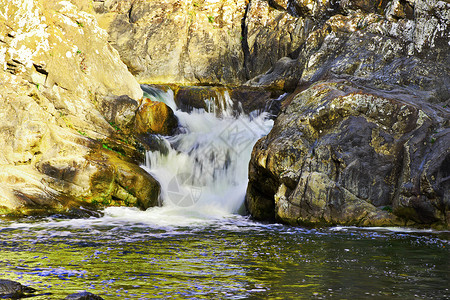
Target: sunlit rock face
{"points": [[340, 154], [155, 118], [364, 139], [203, 42], [63, 128], [177, 41]]}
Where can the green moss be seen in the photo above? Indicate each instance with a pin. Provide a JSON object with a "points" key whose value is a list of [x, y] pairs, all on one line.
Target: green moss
{"points": [[105, 146], [82, 133], [387, 208], [116, 128]]}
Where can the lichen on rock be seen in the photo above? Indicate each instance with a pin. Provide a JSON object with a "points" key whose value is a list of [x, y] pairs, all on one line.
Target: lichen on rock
{"points": [[341, 155], [363, 139], [64, 117]]}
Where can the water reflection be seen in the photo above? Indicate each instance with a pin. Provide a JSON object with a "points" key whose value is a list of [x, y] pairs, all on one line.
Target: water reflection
{"points": [[228, 258]]}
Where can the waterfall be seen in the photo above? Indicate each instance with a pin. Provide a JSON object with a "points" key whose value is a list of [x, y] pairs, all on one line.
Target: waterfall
{"points": [[203, 169]]}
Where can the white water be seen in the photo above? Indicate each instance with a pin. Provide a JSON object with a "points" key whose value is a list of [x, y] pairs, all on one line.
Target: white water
{"points": [[203, 175]]}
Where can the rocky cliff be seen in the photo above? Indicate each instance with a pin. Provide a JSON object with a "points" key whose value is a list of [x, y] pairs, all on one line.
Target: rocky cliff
{"points": [[201, 41], [67, 105], [363, 138]]}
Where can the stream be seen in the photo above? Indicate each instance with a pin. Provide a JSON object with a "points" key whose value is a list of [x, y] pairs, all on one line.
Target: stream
{"points": [[199, 244]]}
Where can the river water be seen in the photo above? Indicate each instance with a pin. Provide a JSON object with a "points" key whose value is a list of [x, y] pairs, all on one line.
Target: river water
{"points": [[198, 245]]}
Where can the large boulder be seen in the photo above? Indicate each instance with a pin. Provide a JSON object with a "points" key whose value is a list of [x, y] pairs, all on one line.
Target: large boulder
{"points": [[342, 154], [364, 137], [67, 106]]}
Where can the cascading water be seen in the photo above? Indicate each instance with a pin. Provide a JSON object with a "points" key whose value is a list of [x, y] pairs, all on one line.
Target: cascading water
{"points": [[195, 246], [203, 169]]}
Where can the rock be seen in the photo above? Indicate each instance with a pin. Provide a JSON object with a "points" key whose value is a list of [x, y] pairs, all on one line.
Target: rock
{"points": [[315, 9], [83, 296], [204, 45], [341, 154], [207, 43], [284, 75], [211, 99], [363, 5], [13, 289], [228, 100], [119, 111], [155, 142], [102, 178], [250, 100], [330, 161], [378, 53], [155, 117], [270, 34], [64, 132], [170, 41]]}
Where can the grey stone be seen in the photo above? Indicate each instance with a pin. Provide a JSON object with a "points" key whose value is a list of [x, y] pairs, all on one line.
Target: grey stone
{"points": [[13, 289], [83, 296]]}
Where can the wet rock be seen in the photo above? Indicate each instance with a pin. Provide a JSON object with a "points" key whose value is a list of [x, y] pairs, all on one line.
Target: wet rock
{"points": [[103, 177], [341, 154], [12, 289], [155, 117], [251, 100], [228, 100], [210, 99], [83, 296], [155, 142]]}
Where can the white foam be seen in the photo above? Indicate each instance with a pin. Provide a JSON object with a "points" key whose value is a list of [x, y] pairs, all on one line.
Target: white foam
{"points": [[205, 171]]}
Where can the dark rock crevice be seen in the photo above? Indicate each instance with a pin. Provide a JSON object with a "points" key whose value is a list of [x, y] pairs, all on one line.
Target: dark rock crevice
{"points": [[244, 42]]}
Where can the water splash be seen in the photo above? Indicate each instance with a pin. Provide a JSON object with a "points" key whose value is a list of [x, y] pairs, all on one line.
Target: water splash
{"points": [[204, 172]]}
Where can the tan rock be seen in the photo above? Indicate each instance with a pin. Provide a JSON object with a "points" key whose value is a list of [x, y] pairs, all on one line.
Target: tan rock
{"points": [[58, 150], [155, 117], [174, 41]]}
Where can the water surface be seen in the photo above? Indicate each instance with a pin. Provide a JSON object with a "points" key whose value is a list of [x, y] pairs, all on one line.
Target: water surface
{"points": [[197, 246], [122, 256]]}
